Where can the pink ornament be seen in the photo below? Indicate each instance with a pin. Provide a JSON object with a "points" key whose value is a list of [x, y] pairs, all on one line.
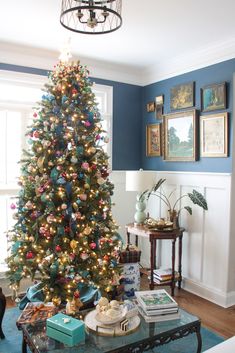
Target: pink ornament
{"points": [[36, 134], [58, 248], [83, 197], [85, 165], [13, 206], [92, 245], [42, 230], [98, 137], [72, 256], [87, 123], [35, 115]]}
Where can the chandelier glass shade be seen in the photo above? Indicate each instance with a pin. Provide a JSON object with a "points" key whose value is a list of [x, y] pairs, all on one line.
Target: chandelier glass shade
{"points": [[91, 16]]}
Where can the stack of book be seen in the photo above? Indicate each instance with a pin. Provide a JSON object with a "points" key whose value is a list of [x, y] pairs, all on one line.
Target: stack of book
{"points": [[157, 305], [162, 276]]}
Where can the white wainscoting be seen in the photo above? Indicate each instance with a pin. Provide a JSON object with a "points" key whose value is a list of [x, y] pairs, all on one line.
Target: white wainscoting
{"points": [[206, 240]]}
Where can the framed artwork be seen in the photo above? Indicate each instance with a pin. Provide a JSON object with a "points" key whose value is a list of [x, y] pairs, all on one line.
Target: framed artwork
{"points": [[159, 100], [182, 96], [213, 97], [214, 135], [153, 140], [150, 107], [180, 136]]}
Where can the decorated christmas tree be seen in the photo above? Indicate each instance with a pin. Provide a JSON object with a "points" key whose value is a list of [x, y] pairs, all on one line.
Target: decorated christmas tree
{"points": [[64, 233]]}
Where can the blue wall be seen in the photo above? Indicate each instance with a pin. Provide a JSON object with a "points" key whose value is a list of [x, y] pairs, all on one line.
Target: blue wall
{"points": [[126, 119], [212, 74]]}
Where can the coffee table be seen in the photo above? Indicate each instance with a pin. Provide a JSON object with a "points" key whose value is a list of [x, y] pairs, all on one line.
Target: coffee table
{"points": [[147, 336]]}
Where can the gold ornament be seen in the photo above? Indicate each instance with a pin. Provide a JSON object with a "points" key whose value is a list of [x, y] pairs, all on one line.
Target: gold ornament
{"points": [[87, 230], [56, 301], [73, 244]]}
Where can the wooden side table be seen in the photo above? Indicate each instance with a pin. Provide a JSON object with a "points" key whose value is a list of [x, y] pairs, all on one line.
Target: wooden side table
{"points": [[153, 236]]}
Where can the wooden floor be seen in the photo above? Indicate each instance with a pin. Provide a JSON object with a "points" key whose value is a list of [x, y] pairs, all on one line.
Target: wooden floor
{"points": [[212, 316]]}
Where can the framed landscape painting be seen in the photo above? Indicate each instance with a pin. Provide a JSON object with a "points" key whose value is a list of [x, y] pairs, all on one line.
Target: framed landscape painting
{"points": [[214, 135], [182, 96], [180, 136], [153, 140], [213, 97]]}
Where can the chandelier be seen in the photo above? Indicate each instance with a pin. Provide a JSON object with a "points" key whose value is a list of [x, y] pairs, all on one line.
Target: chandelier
{"points": [[91, 16]]}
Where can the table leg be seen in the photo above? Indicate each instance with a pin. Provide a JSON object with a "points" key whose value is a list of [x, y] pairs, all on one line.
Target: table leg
{"points": [[136, 241], [180, 261], [152, 261], [173, 268], [199, 338], [2, 311], [24, 345], [128, 237]]}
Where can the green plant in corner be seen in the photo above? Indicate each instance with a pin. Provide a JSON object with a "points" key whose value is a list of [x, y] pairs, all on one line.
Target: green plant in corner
{"points": [[195, 196]]}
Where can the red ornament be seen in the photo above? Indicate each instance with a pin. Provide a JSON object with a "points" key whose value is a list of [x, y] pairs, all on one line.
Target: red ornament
{"points": [[74, 91], [92, 245], [93, 166], [58, 248], [106, 257], [76, 294], [29, 255]]}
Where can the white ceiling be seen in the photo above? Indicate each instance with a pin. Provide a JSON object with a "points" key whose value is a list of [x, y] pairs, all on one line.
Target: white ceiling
{"points": [[160, 35]]}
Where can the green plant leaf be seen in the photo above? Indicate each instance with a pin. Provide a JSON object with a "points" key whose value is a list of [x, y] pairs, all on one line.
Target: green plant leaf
{"points": [[198, 199], [159, 183], [189, 209]]}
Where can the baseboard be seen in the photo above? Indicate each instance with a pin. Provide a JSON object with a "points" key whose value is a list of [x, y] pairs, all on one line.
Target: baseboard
{"points": [[218, 297]]}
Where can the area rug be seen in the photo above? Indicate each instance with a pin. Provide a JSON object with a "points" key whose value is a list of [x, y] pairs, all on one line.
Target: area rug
{"points": [[12, 342]]}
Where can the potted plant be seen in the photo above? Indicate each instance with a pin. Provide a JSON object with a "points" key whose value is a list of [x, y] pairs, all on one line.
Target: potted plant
{"points": [[195, 196]]}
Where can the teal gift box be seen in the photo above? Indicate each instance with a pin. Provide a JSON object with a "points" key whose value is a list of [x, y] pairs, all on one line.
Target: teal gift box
{"points": [[65, 329]]}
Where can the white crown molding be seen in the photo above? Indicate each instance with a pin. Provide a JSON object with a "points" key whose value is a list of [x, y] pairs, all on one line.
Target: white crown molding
{"points": [[44, 59], [16, 54], [207, 56]]}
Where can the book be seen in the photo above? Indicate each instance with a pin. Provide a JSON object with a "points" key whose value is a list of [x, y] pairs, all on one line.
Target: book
{"points": [[152, 312], [164, 274], [154, 299], [157, 318]]}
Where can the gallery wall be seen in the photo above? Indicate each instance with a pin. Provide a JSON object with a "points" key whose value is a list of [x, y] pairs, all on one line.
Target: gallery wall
{"points": [[222, 72]]}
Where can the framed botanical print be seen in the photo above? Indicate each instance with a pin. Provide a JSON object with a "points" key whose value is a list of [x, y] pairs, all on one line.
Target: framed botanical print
{"points": [[213, 97], [153, 140], [182, 96], [214, 135], [180, 136]]}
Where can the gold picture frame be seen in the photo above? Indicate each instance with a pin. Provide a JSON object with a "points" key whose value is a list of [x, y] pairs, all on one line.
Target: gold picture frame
{"points": [[214, 135], [150, 107], [182, 96], [180, 136], [153, 140]]}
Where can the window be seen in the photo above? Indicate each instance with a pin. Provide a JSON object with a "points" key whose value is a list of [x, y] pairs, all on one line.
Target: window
{"points": [[18, 94]]}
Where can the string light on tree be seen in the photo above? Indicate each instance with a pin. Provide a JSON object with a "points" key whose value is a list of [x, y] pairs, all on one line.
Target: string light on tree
{"points": [[64, 229]]}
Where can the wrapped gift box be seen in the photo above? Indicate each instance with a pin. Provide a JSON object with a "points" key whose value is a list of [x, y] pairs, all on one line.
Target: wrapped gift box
{"points": [[130, 254], [36, 311], [65, 329]]}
